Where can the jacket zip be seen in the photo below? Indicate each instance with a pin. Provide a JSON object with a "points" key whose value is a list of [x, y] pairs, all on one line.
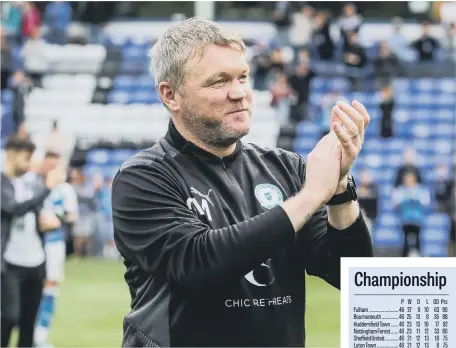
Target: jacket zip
{"points": [[235, 184]]}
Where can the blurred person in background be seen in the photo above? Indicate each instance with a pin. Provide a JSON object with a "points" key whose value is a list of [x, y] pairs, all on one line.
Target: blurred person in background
{"points": [[261, 62], [281, 99], [349, 22], [34, 56], [86, 225], [411, 200], [57, 17], [109, 247], [409, 165], [12, 22], [386, 65], [98, 238], [398, 42], [426, 46], [59, 142], [30, 20], [7, 60], [281, 16], [301, 30], [444, 189], [276, 63], [96, 14], [22, 252], [303, 57], [368, 198], [300, 83], [354, 54], [387, 107], [321, 36], [62, 202], [21, 84], [355, 58]]}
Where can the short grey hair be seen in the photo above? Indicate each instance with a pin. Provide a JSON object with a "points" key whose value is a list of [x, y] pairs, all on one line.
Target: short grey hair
{"points": [[183, 42]]}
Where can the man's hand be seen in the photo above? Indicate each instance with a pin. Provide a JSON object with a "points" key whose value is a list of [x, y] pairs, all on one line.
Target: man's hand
{"points": [[48, 222], [354, 120]]}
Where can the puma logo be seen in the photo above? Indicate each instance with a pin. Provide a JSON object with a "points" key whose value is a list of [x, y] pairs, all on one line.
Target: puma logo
{"points": [[193, 190]]}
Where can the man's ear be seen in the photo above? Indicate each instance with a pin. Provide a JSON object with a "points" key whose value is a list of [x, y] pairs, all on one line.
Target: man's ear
{"points": [[169, 96]]}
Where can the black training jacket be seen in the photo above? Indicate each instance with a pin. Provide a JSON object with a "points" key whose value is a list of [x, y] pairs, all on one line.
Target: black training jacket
{"points": [[212, 259]]}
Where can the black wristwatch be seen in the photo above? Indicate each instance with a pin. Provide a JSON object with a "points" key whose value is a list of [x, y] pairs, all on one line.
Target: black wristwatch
{"points": [[347, 196]]}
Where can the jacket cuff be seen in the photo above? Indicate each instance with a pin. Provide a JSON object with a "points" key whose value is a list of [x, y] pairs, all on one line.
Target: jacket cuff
{"points": [[353, 241], [358, 224]]}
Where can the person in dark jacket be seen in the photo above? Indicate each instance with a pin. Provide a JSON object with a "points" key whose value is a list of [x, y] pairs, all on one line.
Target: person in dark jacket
{"points": [[321, 36], [426, 46], [22, 254], [217, 234], [409, 165], [387, 107], [386, 65]]}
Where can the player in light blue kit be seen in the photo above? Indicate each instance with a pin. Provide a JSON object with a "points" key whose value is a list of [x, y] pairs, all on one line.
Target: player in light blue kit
{"points": [[62, 202]]}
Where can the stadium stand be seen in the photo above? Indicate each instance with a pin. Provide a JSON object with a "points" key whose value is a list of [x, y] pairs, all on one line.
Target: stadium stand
{"points": [[105, 100]]}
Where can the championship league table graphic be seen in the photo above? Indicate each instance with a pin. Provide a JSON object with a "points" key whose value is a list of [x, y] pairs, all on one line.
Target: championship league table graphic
{"points": [[398, 303]]}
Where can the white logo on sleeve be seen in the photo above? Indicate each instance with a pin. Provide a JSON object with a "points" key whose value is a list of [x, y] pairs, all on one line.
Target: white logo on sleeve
{"points": [[203, 208], [268, 195]]}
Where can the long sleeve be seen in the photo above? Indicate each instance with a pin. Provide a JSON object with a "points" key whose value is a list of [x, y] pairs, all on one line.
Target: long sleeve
{"points": [[155, 229], [322, 246], [13, 208]]}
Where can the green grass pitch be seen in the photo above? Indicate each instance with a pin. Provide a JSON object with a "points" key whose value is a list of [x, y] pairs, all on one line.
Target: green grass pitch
{"points": [[94, 299]]}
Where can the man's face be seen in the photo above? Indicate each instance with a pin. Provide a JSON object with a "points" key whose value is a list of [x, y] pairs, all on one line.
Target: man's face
{"points": [[216, 105], [22, 161]]}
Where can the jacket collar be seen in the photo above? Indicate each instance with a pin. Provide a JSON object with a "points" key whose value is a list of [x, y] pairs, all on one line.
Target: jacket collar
{"points": [[187, 147]]}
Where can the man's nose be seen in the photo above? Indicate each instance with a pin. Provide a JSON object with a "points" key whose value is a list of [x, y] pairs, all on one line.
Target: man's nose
{"points": [[237, 94]]}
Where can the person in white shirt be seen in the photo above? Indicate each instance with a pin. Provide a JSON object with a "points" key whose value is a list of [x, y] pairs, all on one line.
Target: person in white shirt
{"points": [[22, 253]]}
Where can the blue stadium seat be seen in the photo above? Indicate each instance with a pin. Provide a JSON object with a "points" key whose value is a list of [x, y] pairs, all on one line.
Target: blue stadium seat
{"points": [[435, 235], [307, 129], [124, 82], [98, 156], [439, 220], [115, 97], [120, 156], [388, 237], [434, 250], [146, 81], [304, 145]]}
